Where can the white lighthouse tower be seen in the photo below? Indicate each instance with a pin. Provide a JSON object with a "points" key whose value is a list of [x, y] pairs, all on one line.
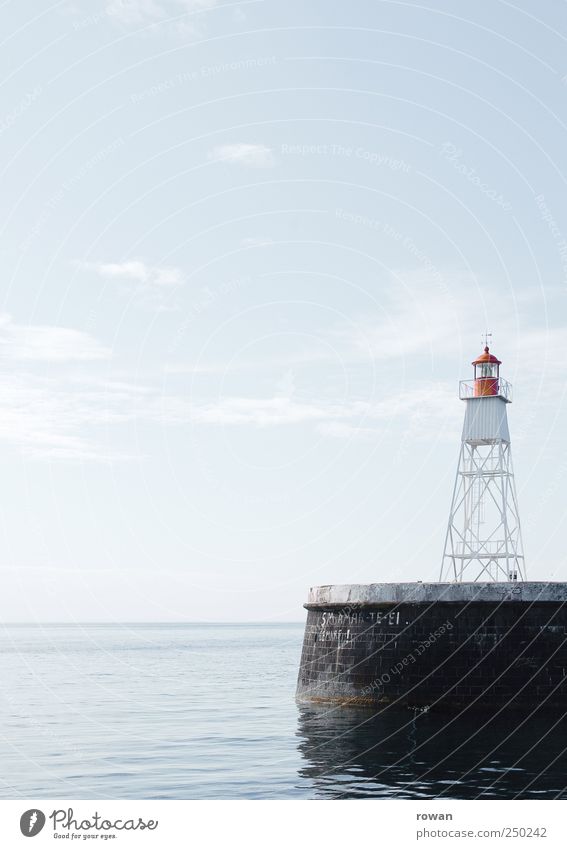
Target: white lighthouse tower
{"points": [[484, 541]]}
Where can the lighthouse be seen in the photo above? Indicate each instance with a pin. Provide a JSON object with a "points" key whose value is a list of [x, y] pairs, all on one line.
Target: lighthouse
{"points": [[483, 637], [483, 540]]}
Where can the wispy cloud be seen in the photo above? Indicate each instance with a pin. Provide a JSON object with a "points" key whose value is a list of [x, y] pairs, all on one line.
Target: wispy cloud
{"points": [[58, 416], [138, 272], [132, 12], [259, 412], [151, 286], [45, 343], [135, 11], [255, 242], [433, 317], [428, 401], [60, 413], [414, 316], [345, 431], [249, 155], [133, 270]]}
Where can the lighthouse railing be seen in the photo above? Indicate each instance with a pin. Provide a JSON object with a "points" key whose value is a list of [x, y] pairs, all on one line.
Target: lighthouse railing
{"points": [[503, 389]]}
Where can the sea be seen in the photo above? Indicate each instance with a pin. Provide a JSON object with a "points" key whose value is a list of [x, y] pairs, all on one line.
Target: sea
{"points": [[208, 711]]}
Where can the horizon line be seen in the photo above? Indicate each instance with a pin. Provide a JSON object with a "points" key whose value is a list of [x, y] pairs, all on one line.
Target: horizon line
{"points": [[158, 622]]}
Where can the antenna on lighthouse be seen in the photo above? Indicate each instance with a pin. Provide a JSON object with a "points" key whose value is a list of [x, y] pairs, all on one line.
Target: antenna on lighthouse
{"points": [[484, 540]]}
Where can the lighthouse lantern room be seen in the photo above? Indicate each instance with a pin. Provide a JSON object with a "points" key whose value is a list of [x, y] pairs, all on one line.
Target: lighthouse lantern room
{"points": [[483, 540]]}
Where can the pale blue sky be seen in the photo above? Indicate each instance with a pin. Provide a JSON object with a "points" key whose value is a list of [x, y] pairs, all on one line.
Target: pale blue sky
{"points": [[247, 251]]}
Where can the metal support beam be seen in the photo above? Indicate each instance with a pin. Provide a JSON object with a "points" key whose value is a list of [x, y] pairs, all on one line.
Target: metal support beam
{"points": [[483, 539]]}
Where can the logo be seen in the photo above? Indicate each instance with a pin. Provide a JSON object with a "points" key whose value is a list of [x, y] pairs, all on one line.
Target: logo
{"points": [[32, 822]]}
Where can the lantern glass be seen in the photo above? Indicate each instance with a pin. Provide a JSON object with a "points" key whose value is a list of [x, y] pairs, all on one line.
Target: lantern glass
{"points": [[487, 370]]}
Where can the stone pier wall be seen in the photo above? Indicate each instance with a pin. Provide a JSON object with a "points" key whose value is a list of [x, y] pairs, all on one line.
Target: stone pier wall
{"points": [[437, 645]]}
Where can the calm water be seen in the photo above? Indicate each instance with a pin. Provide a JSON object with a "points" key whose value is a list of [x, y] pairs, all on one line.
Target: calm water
{"points": [[208, 711]]}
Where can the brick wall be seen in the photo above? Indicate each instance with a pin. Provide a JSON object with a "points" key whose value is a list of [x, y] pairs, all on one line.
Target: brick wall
{"points": [[437, 655]]}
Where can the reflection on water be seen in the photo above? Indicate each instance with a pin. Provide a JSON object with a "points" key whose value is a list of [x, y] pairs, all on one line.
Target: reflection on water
{"points": [[356, 753], [194, 711]]}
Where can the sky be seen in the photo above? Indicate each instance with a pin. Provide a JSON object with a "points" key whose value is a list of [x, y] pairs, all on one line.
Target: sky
{"points": [[247, 251]]}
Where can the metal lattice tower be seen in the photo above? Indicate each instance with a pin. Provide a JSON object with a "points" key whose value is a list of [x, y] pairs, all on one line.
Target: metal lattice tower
{"points": [[484, 540]]}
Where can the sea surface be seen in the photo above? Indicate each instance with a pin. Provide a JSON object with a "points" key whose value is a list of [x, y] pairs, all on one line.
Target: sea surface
{"points": [[194, 711]]}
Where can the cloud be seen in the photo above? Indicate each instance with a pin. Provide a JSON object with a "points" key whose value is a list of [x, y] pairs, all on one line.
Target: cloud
{"points": [[57, 416], [39, 410], [414, 316], [138, 272], [430, 404], [439, 319], [167, 277], [196, 5], [153, 11], [181, 18], [150, 286], [60, 413], [257, 412], [133, 270], [45, 343], [342, 430], [285, 386], [249, 155], [135, 11], [255, 242]]}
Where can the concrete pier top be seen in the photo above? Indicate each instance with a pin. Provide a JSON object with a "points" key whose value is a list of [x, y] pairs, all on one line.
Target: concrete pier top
{"points": [[369, 595]]}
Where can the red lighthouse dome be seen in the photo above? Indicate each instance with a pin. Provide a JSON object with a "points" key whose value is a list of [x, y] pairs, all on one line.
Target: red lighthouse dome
{"points": [[486, 374]]}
